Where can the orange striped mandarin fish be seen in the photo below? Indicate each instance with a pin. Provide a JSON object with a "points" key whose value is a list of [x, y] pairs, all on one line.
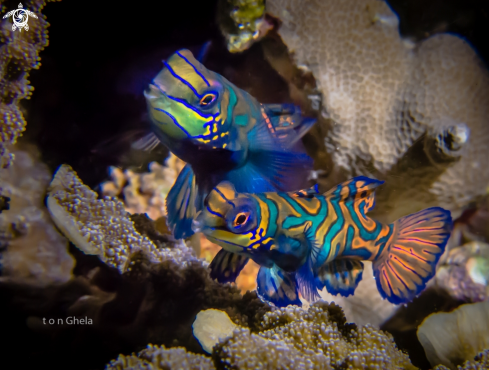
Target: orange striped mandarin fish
{"points": [[305, 241]]}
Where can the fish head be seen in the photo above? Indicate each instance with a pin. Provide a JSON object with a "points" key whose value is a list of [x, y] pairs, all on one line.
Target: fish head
{"points": [[186, 101], [230, 219]]}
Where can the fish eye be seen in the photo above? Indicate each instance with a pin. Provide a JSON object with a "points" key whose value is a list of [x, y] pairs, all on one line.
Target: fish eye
{"points": [[207, 99], [241, 218]]}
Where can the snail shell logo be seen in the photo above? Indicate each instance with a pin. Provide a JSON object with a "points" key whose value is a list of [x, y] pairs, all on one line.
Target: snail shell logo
{"points": [[20, 17]]}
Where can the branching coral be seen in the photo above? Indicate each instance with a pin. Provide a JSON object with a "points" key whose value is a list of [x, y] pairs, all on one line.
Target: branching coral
{"points": [[452, 338], [383, 93], [159, 357], [19, 54], [144, 192], [32, 251]]}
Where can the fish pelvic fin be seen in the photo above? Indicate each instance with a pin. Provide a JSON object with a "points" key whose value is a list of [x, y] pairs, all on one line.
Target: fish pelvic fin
{"points": [[226, 266], [306, 281], [277, 286], [182, 203], [408, 260], [340, 276]]}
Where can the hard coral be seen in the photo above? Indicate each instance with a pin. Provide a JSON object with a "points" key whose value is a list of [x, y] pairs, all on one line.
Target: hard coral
{"points": [[19, 51], [159, 357], [32, 251], [480, 362], [383, 93], [317, 338], [452, 338], [465, 273], [95, 226], [144, 192]]}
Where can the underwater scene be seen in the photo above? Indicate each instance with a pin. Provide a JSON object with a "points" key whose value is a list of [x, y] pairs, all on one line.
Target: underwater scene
{"points": [[244, 184]]}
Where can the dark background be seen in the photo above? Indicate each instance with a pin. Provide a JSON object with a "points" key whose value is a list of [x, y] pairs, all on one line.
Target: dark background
{"points": [[102, 54]]}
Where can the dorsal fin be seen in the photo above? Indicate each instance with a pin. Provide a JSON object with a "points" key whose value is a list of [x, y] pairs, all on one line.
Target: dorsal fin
{"points": [[307, 193], [357, 189]]}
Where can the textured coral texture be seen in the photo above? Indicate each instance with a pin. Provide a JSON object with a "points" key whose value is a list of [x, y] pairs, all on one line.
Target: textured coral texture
{"points": [[146, 193], [19, 54], [97, 226], [480, 362], [382, 92], [159, 357], [317, 338], [33, 252]]}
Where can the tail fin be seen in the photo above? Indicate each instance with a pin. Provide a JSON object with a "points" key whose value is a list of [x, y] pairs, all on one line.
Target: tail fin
{"points": [[409, 260]]}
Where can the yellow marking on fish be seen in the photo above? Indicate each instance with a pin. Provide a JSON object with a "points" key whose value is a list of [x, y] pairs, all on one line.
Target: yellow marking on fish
{"points": [[215, 137], [214, 128], [224, 134], [224, 145], [208, 132]]}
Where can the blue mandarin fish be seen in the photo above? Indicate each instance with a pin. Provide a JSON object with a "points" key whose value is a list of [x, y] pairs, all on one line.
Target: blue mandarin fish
{"points": [[305, 241], [224, 134]]}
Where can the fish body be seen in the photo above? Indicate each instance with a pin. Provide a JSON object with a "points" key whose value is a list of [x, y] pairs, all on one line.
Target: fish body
{"points": [[224, 134], [305, 241]]}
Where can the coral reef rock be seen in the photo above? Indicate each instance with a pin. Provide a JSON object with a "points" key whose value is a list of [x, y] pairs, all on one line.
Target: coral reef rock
{"points": [[317, 338], [366, 306], [211, 326], [144, 192], [452, 338], [96, 226], [31, 249], [465, 273], [383, 94], [20, 54], [159, 357]]}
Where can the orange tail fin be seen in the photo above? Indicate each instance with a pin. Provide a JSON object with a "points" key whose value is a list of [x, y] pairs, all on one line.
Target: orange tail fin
{"points": [[409, 262]]}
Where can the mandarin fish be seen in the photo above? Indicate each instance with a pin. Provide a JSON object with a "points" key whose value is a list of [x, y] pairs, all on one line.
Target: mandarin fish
{"points": [[305, 241], [224, 134]]}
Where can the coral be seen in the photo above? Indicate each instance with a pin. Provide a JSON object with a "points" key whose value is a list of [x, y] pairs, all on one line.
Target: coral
{"points": [[144, 192], [452, 338], [317, 338], [480, 362], [159, 357], [96, 226], [32, 251], [465, 273], [248, 23], [383, 94], [366, 306], [211, 326], [19, 52]]}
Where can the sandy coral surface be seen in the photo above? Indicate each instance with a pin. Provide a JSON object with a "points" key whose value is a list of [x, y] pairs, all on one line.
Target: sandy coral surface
{"points": [[383, 93]]}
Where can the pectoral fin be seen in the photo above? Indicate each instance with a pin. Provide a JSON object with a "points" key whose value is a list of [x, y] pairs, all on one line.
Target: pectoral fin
{"points": [[277, 286], [181, 204], [226, 266], [340, 276]]}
